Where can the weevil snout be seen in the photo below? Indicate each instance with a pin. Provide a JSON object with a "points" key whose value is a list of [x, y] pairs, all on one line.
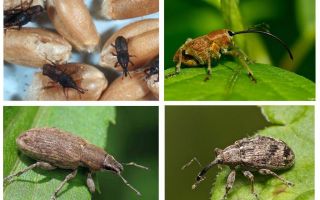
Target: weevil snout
{"points": [[110, 163]]}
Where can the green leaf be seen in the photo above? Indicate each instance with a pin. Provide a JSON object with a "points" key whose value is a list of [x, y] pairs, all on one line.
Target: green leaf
{"points": [[230, 82], [295, 126], [90, 123]]}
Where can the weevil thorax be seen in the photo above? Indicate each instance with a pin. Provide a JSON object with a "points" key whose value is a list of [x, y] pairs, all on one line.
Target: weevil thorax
{"points": [[121, 44], [221, 38], [48, 69], [229, 156], [110, 163]]}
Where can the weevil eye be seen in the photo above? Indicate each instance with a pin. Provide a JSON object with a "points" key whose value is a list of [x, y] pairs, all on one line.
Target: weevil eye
{"points": [[230, 33]]}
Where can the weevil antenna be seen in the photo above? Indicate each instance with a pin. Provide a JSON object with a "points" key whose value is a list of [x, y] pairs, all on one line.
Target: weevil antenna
{"points": [[201, 176], [135, 165], [264, 33], [128, 184]]}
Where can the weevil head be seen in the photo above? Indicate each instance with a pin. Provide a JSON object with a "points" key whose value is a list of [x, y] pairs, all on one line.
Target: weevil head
{"points": [[111, 164]]}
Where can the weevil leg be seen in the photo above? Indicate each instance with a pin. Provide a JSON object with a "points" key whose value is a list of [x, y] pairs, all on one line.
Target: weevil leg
{"points": [[68, 178], [90, 183], [250, 176], [230, 182], [116, 64], [41, 165], [136, 165], [178, 66], [242, 58], [190, 162], [132, 64], [269, 172]]}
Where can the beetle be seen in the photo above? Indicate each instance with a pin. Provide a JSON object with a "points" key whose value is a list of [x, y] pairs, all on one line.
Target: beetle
{"points": [[58, 73], [54, 148], [122, 54], [207, 48], [254, 154], [17, 17], [153, 68]]}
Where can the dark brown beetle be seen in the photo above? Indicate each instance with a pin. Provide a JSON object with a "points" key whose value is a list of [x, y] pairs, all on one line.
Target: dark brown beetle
{"points": [[17, 17], [59, 74], [122, 53]]}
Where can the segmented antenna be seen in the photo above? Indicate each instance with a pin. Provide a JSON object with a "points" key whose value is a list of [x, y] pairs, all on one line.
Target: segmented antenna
{"points": [[251, 30], [135, 165], [128, 184]]}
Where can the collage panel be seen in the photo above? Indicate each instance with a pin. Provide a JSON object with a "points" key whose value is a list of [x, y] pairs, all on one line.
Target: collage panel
{"points": [[115, 158], [213, 152], [81, 50], [239, 50]]}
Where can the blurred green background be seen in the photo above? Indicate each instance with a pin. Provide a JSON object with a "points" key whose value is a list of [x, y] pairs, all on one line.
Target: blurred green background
{"points": [[195, 131], [291, 20], [134, 138]]}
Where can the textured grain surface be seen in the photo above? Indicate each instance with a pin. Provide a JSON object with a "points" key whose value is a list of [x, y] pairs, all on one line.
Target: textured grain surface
{"points": [[35, 47], [123, 9], [74, 22]]}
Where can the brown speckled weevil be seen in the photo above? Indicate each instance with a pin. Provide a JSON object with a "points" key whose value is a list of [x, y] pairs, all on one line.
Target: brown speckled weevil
{"points": [[259, 153], [54, 148], [207, 48], [122, 53]]}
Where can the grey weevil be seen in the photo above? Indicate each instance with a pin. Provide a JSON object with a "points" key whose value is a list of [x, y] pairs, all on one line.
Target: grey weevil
{"points": [[259, 153], [54, 148]]}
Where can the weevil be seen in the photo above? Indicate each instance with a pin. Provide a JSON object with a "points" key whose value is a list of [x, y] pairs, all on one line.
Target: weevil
{"points": [[17, 17], [207, 48], [254, 154], [153, 68], [54, 148], [58, 73], [122, 54]]}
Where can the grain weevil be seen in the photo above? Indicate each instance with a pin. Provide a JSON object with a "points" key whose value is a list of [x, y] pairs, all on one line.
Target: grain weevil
{"points": [[53, 148], [258, 153], [17, 17], [210, 47], [59, 74], [122, 54]]}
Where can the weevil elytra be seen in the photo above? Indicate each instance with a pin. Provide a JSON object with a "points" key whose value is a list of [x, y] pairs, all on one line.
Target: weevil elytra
{"points": [[122, 53], [207, 48], [17, 17], [259, 153], [53, 148]]}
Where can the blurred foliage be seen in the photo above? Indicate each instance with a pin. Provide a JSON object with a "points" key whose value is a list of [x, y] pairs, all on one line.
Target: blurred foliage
{"points": [[230, 82], [134, 138], [291, 20], [93, 124]]}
